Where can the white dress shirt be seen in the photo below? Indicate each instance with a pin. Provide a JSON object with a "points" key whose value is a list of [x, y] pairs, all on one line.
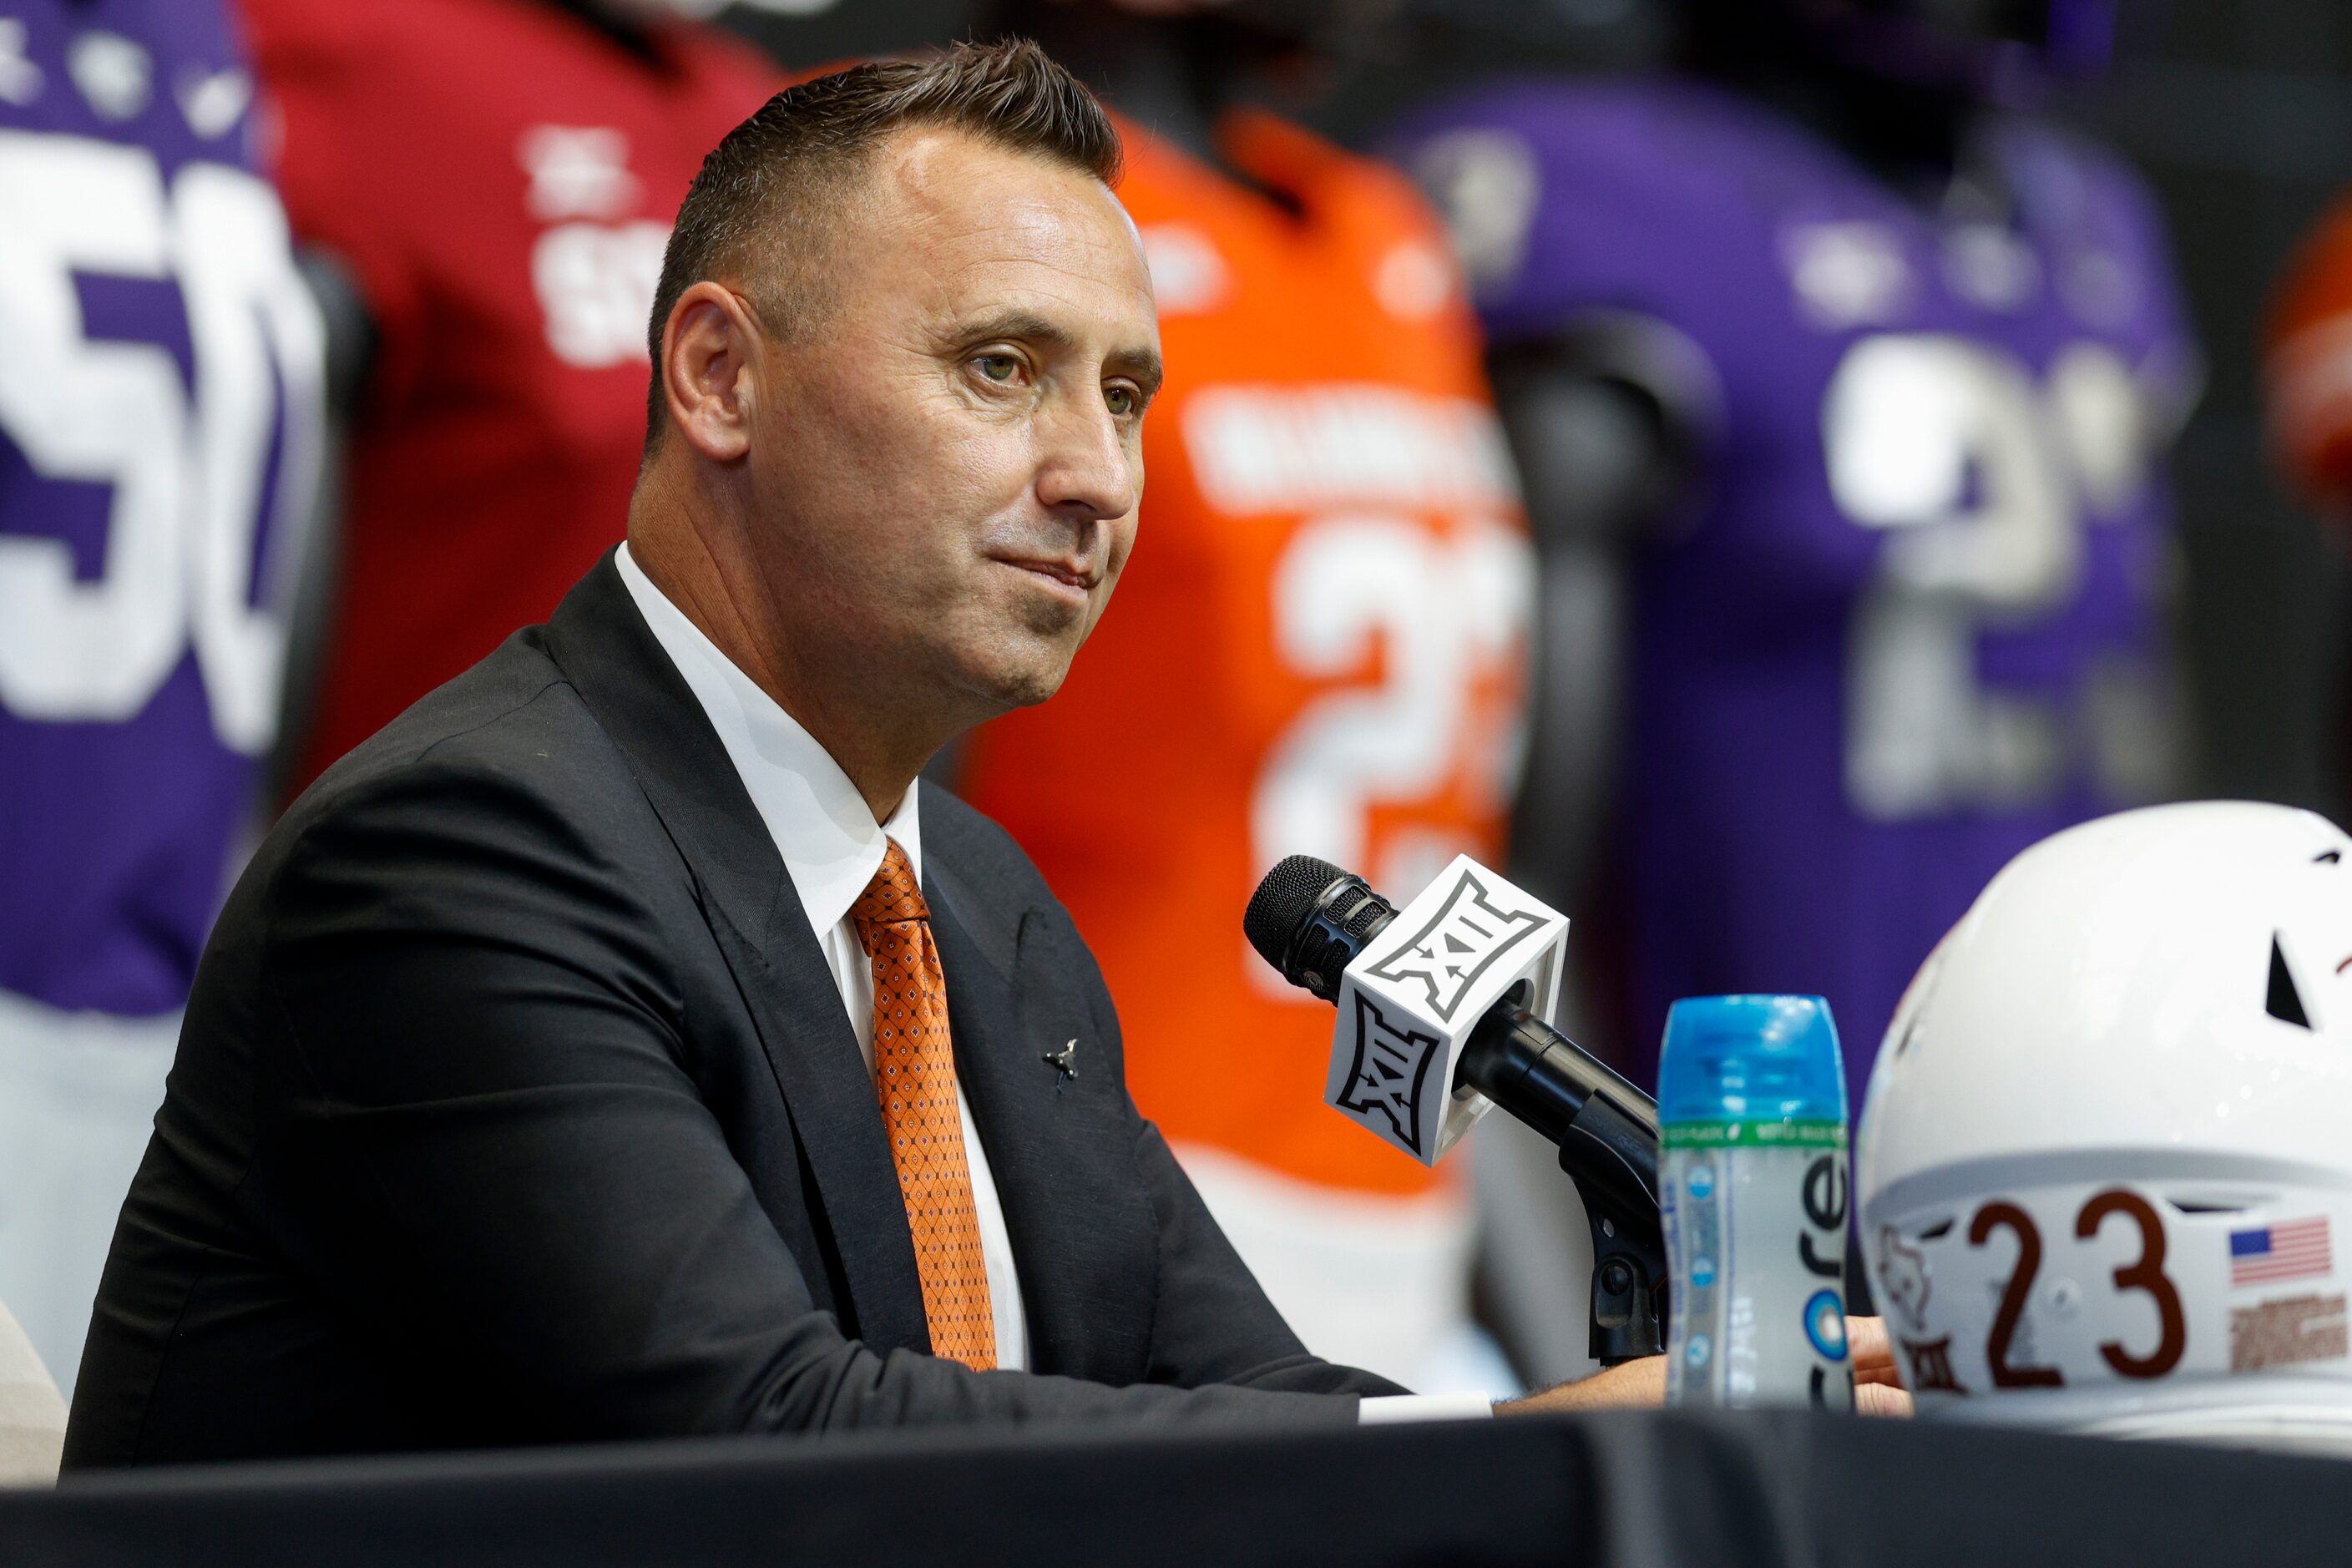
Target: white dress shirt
{"points": [[832, 847]]}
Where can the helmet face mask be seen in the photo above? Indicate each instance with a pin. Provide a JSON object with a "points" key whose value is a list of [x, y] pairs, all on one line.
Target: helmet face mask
{"points": [[2103, 1175]]}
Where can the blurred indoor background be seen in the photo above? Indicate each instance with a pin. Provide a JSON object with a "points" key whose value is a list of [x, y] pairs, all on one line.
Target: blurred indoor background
{"points": [[2241, 115]]}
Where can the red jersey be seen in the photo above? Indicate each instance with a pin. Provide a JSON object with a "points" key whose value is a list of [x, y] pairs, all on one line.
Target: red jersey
{"points": [[500, 178], [2309, 365], [1317, 646]]}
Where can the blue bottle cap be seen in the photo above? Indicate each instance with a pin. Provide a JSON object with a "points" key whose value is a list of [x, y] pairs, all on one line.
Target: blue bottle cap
{"points": [[1750, 1060]]}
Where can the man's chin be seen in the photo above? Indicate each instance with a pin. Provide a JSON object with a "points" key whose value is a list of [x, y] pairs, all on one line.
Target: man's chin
{"points": [[1016, 683], [1030, 690]]}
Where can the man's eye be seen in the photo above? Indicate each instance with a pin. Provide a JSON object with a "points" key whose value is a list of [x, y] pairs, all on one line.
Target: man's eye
{"points": [[1121, 400], [998, 367]]}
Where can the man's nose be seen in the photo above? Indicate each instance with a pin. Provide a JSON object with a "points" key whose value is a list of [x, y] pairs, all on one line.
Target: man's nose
{"points": [[1086, 468]]}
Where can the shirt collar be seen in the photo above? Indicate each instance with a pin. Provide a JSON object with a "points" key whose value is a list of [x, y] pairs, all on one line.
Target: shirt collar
{"points": [[822, 827]]}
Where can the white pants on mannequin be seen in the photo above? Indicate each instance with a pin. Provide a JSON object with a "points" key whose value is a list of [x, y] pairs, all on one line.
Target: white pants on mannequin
{"points": [[77, 1099], [32, 1414]]}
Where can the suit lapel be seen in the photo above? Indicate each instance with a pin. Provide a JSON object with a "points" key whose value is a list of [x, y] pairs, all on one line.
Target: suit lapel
{"points": [[603, 644], [822, 1074], [1081, 1231]]}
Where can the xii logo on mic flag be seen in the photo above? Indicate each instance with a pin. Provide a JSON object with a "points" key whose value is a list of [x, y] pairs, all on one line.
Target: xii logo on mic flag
{"points": [[1388, 1072], [1408, 1003], [1468, 934]]}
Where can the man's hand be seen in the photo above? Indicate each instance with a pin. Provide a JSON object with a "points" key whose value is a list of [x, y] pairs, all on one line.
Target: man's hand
{"points": [[1877, 1380], [1642, 1385], [1629, 1386]]}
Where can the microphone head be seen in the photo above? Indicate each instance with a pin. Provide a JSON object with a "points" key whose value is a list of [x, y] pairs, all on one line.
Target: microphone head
{"points": [[1283, 899], [1308, 920]]}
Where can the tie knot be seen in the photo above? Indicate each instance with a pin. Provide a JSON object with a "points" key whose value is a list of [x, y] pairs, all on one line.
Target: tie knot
{"points": [[893, 898]]}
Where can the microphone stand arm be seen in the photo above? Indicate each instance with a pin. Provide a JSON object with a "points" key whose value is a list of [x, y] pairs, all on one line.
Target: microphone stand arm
{"points": [[1607, 1134]]}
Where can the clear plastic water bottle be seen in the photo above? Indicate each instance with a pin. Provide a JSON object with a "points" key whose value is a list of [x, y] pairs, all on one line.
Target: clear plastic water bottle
{"points": [[1751, 1113]]}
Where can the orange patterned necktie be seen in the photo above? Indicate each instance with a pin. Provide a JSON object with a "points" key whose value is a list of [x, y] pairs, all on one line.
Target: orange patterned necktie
{"points": [[914, 1078]]}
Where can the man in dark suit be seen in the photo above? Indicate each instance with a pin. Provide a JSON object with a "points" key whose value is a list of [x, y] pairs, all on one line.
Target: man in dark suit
{"points": [[530, 1088]]}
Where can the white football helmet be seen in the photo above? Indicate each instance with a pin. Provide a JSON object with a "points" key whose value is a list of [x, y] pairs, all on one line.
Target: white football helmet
{"points": [[2106, 1158]]}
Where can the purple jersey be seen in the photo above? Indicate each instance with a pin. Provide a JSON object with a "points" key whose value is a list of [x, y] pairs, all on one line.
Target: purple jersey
{"points": [[159, 422], [1915, 625]]}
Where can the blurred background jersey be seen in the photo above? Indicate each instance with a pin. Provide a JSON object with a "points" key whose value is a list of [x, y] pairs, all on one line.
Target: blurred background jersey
{"points": [[2307, 385], [1915, 623], [498, 178], [160, 366], [1318, 649], [2308, 365]]}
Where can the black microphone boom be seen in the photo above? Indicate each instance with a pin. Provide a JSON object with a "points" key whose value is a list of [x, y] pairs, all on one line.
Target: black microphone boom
{"points": [[1310, 920]]}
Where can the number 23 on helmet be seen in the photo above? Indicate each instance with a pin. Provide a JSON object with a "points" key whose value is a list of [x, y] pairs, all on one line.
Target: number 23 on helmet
{"points": [[2104, 1172]]}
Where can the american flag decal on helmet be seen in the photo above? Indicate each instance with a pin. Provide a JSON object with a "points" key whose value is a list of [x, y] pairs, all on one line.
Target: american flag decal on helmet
{"points": [[2294, 1250]]}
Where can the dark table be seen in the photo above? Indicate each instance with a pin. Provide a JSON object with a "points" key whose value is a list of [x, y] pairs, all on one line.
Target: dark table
{"points": [[1722, 1492]]}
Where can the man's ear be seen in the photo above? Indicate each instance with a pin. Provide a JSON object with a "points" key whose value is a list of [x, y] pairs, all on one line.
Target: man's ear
{"points": [[711, 348]]}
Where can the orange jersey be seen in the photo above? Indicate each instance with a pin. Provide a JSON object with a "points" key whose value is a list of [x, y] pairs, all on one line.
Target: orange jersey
{"points": [[1318, 644], [2309, 364]]}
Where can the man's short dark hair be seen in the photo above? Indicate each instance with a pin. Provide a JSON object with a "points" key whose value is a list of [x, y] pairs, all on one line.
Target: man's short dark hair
{"points": [[775, 185]]}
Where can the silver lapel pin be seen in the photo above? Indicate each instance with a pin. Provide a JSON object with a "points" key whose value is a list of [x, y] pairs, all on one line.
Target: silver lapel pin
{"points": [[1063, 1061]]}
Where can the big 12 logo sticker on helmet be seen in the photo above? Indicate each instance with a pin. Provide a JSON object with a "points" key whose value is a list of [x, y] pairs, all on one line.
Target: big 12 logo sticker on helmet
{"points": [[2058, 1287]]}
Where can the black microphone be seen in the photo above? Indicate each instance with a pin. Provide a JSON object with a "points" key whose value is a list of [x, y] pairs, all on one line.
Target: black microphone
{"points": [[1310, 920]]}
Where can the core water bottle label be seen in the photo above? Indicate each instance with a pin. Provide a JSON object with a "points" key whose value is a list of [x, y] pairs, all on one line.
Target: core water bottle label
{"points": [[1756, 1232], [1773, 1135], [1825, 1324]]}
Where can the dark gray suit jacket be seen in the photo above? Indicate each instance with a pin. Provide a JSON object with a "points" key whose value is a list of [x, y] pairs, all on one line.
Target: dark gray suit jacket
{"points": [[516, 1103]]}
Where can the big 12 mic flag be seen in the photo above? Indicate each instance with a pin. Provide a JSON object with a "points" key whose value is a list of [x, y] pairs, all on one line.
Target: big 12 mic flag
{"points": [[1410, 1001]]}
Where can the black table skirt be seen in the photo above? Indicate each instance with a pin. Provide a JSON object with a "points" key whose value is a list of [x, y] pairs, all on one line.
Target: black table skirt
{"points": [[1766, 1489]]}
